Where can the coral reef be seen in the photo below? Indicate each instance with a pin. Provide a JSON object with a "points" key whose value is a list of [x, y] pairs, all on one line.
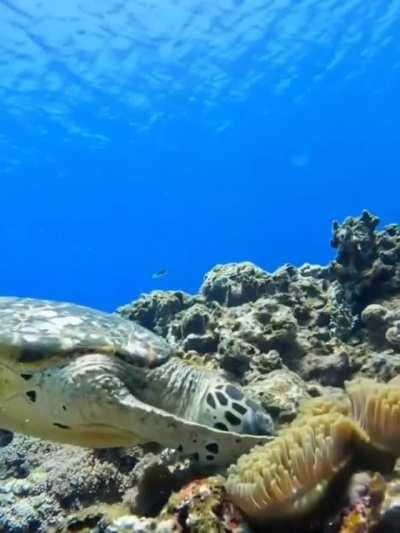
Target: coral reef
{"points": [[156, 312], [292, 339], [327, 324], [235, 284], [47, 486]]}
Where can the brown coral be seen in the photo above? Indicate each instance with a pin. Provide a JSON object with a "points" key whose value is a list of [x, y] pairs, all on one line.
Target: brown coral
{"points": [[288, 476]]}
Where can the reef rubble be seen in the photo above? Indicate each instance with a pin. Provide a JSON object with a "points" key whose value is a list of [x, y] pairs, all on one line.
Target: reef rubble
{"points": [[287, 337]]}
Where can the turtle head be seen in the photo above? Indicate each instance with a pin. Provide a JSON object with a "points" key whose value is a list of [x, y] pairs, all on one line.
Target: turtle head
{"points": [[228, 409], [257, 421]]}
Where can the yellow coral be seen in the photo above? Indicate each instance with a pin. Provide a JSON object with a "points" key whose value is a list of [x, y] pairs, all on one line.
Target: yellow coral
{"points": [[288, 476]]}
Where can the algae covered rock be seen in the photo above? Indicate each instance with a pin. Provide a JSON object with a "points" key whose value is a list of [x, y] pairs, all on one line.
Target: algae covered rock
{"points": [[202, 507], [280, 393], [134, 524], [154, 311], [235, 283], [155, 481], [374, 317], [367, 262], [392, 335], [383, 365], [329, 370], [258, 337], [47, 486], [356, 244]]}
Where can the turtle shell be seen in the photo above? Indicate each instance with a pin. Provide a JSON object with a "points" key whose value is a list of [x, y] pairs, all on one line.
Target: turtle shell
{"points": [[37, 333]]}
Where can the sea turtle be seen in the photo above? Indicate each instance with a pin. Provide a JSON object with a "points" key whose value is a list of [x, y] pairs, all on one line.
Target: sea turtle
{"points": [[72, 374]]}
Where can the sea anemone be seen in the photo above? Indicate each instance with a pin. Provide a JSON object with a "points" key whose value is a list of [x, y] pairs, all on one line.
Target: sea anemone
{"points": [[376, 408], [337, 402], [289, 476], [286, 478]]}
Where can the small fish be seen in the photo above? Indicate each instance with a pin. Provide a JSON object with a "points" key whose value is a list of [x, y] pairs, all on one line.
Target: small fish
{"points": [[160, 274], [5, 437]]}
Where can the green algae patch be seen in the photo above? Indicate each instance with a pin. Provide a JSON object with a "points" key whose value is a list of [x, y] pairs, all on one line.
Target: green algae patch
{"points": [[85, 520]]}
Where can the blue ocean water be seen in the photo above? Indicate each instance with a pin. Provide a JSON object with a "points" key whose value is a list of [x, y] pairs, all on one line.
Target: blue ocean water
{"points": [[177, 134]]}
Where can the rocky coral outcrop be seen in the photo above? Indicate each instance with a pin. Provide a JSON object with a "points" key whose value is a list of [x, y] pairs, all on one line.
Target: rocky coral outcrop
{"points": [[235, 284], [155, 310], [367, 266], [325, 323], [46, 486], [280, 393], [203, 507]]}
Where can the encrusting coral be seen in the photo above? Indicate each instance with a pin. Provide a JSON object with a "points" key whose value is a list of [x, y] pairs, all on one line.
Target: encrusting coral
{"points": [[289, 476]]}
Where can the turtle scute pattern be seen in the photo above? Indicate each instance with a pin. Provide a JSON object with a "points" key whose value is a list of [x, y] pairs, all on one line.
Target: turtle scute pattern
{"points": [[288, 476], [40, 332]]}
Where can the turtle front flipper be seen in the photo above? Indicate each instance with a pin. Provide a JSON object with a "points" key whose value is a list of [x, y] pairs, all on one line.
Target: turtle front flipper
{"points": [[77, 403], [202, 443]]}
